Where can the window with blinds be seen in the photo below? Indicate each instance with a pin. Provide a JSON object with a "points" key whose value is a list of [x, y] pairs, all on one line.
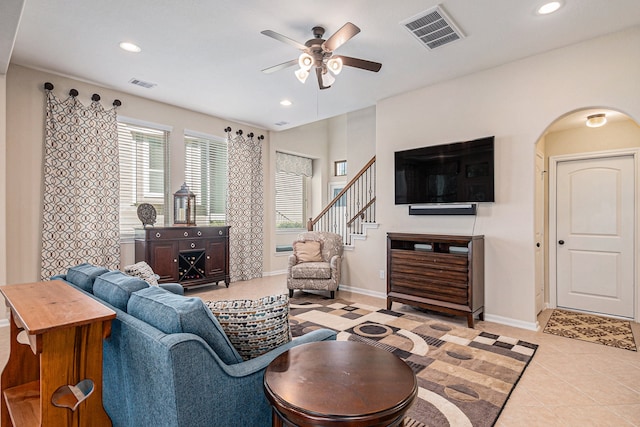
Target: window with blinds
{"points": [[144, 174], [206, 176], [290, 201]]}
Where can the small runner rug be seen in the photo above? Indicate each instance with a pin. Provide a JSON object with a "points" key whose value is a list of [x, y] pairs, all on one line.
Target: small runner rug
{"points": [[465, 376], [589, 327]]}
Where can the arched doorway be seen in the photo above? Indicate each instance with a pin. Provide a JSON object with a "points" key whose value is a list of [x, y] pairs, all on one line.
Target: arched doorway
{"points": [[579, 277]]}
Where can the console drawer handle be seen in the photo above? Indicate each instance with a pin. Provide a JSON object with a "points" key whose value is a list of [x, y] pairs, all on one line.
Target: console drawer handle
{"points": [[186, 234], [220, 232], [193, 245], [157, 234], [199, 233]]}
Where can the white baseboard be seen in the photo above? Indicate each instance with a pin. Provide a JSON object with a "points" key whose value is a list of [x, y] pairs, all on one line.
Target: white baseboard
{"points": [[273, 273], [531, 326], [362, 291], [4, 322]]}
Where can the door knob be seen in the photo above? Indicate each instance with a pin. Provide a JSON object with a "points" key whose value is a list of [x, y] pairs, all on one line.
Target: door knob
{"points": [[561, 242]]}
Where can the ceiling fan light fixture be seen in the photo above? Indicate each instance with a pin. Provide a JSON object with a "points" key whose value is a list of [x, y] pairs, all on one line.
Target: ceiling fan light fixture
{"points": [[302, 75], [305, 61], [327, 78], [596, 120], [335, 65]]}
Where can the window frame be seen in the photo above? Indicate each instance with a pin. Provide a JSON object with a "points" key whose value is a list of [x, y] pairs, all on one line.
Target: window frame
{"points": [[139, 179]]}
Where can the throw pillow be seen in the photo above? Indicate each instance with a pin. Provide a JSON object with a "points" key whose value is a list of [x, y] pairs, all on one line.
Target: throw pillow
{"points": [[144, 271], [254, 327], [308, 251]]}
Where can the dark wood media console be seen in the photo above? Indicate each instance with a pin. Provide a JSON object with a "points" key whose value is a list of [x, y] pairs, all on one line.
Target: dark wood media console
{"points": [[443, 273]]}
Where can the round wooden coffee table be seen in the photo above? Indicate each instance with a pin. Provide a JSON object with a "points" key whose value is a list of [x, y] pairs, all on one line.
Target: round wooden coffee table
{"points": [[342, 383]]}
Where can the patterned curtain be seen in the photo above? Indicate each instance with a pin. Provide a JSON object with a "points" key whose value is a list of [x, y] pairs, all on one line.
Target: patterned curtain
{"points": [[245, 207], [80, 215]]}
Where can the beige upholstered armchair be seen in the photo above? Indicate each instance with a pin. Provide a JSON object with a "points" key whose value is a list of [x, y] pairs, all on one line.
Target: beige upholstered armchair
{"points": [[315, 262]]}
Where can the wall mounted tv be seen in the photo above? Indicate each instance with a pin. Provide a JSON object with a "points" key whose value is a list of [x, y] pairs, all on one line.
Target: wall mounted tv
{"points": [[460, 172]]}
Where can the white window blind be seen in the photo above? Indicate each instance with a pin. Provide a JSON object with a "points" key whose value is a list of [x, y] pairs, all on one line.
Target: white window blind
{"points": [[143, 174], [291, 184], [206, 176]]}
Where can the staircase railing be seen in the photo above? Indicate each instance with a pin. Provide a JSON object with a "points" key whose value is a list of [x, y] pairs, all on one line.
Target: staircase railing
{"points": [[352, 207]]}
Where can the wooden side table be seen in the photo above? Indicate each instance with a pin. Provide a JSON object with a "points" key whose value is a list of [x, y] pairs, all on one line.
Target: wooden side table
{"points": [[342, 383], [60, 346]]}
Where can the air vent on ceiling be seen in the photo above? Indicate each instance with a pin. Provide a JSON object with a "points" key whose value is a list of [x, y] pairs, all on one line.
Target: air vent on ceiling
{"points": [[281, 123], [433, 28], [142, 83]]}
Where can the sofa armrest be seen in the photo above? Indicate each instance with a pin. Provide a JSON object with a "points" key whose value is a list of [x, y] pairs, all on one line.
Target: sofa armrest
{"points": [[293, 260], [261, 362], [59, 277], [175, 288]]}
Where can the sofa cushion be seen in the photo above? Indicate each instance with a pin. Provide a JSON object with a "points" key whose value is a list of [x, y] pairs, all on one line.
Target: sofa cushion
{"points": [[84, 275], [311, 270], [143, 271], [308, 251], [254, 327], [173, 313], [115, 287]]}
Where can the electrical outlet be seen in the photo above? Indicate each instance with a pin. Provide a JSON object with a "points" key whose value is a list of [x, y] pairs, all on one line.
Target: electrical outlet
{"points": [[382, 274]]}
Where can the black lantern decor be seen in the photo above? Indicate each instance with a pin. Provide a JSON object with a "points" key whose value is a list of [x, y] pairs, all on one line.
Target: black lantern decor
{"points": [[184, 206]]}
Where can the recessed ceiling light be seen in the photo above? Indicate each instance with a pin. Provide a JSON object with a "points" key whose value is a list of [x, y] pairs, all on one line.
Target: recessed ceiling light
{"points": [[549, 7], [285, 102], [130, 47]]}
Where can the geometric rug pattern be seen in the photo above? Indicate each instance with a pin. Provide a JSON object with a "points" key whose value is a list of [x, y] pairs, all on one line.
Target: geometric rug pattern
{"points": [[589, 327], [465, 376]]}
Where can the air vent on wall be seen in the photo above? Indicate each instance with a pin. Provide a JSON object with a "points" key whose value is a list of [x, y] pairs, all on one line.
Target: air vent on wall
{"points": [[142, 83], [433, 28]]}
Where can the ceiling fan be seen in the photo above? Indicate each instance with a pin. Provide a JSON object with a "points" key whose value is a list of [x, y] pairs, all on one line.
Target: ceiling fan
{"points": [[318, 53]]}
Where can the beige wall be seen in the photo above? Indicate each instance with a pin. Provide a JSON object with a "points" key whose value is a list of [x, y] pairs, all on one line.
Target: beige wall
{"points": [[3, 180], [612, 136], [25, 125], [515, 102]]}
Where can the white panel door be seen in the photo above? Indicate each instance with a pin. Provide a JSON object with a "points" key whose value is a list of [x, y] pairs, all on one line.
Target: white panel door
{"points": [[595, 229]]}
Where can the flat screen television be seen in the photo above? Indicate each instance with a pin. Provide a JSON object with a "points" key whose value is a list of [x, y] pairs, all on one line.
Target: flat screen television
{"points": [[461, 172]]}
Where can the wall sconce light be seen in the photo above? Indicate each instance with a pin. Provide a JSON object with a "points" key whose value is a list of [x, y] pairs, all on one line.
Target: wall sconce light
{"points": [[596, 120]]}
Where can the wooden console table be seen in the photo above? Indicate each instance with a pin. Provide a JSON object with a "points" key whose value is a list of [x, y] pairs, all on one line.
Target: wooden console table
{"points": [[339, 383], [60, 344], [190, 255]]}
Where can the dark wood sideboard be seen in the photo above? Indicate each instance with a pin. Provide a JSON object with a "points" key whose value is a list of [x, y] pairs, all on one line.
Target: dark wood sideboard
{"points": [[187, 255], [443, 273]]}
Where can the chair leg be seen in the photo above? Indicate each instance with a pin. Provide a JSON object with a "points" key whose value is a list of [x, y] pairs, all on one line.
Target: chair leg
{"points": [[290, 293], [333, 294]]}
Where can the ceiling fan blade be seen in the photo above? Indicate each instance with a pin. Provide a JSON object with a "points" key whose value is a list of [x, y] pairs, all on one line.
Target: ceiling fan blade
{"points": [[283, 39], [319, 75], [280, 66], [340, 37], [360, 63]]}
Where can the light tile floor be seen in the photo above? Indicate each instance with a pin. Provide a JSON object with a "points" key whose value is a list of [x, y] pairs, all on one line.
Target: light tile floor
{"points": [[568, 383]]}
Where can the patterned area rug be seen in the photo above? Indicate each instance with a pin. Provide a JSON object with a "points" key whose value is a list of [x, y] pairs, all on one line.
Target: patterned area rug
{"points": [[589, 327], [464, 376]]}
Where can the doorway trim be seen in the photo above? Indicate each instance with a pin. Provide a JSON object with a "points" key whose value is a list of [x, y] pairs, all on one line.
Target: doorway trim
{"points": [[551, 249]]}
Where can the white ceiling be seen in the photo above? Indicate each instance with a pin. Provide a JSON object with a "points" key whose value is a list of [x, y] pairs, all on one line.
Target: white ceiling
{"points": [[207, 55]]}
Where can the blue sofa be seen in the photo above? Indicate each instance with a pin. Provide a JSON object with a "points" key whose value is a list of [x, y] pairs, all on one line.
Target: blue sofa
{"points": [[168, 362]]}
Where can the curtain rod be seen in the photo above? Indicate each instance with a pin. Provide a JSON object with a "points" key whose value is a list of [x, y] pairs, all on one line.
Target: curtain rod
{"points": [[95, 97], [239, 133]]}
